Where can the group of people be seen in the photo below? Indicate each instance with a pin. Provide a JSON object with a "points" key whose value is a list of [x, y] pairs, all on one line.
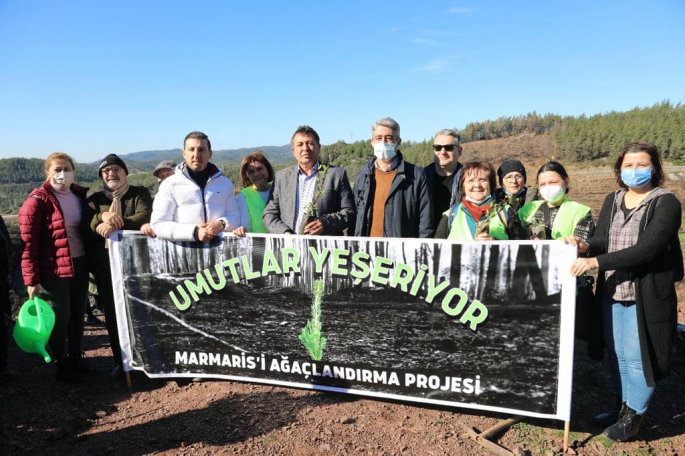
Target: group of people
{"points": [[66, 232]]}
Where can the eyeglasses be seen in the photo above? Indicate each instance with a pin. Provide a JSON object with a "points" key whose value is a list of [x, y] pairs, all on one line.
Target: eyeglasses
{"points": [[447, 147], [111, 170], [515, 177]]}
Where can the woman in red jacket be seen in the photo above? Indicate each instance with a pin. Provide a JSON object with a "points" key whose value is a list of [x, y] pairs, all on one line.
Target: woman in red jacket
{"points": [[54, 263]]}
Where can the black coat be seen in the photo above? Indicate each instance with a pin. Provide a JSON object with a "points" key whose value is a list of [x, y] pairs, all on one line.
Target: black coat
{"points": [[654, 262]]}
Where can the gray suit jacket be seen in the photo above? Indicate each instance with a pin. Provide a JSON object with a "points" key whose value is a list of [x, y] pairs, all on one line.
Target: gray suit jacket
{"points": [[335, 206]]}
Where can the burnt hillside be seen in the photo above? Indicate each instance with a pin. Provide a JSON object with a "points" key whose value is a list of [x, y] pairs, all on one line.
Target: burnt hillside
{"points": [[590, 182]]}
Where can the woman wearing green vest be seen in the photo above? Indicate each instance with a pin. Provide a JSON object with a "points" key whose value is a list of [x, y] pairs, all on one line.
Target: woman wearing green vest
{"points": [[555, 216], [257, 175], [477, 216]]}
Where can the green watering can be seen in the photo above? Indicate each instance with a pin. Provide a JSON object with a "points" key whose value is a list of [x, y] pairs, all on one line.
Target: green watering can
{"points": [[33, 327]]}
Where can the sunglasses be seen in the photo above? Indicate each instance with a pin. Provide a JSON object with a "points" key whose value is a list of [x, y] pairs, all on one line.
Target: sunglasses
{"points": [[447, 147]]}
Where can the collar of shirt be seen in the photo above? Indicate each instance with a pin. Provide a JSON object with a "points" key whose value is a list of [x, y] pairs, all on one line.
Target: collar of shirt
{"points": [[315, 170], [395, 163]]}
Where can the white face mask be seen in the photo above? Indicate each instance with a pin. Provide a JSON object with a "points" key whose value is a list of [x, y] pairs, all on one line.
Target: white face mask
{"points": [[478, 202], [62, 180], [385, 151], [552, 193]]}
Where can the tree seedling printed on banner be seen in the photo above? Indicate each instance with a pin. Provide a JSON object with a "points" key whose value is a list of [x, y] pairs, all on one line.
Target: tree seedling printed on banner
{"points": [[311, 337]]}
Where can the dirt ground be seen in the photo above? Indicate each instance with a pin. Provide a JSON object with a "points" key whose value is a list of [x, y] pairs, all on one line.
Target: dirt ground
{"points": [[41, 416]]}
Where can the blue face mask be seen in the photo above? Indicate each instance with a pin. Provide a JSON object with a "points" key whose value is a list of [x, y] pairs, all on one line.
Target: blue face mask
{"points": [[636, 178]]}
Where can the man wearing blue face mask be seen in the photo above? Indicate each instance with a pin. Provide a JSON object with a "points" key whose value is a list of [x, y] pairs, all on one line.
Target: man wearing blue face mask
{"points": [[392, 196]]}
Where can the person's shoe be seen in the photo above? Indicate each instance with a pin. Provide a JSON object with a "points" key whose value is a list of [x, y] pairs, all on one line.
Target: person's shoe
{"points": [[626, 428], [117, 373], [608, 418], [66, 373], [81, 365]]}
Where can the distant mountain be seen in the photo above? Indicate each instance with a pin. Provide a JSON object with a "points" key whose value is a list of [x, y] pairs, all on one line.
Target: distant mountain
{"points": [[148, 159]]}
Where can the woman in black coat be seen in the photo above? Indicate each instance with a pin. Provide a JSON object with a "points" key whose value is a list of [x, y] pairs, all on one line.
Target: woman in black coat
{"points": [[636, 249]]}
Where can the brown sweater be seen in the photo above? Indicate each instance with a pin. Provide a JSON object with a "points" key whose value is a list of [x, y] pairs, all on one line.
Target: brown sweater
{"points": [[380, 196]]}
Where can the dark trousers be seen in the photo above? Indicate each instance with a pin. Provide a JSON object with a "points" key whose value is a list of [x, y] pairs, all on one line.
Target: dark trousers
{"points": [[68, 298], [103, 279]]}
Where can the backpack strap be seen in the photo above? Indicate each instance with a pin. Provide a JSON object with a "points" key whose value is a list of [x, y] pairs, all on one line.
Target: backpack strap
{"points": [[548, 223]]}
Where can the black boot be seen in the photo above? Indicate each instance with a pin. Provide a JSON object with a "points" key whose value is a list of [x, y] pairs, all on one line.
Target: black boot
{"points": [[81, 365], [626, 428], [608, 418], [66, 373]]}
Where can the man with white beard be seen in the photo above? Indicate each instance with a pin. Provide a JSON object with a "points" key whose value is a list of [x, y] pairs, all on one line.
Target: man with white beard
{"points": [[119, 206]]}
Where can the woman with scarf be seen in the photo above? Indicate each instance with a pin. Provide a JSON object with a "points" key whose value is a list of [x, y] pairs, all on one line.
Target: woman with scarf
{"points": [[477, 216], [257, 175], [119, 206], [637, 252], [54, 263]]}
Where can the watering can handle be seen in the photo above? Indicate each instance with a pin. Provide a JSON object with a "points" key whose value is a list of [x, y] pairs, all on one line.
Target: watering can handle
{"points": [[39, 313]]}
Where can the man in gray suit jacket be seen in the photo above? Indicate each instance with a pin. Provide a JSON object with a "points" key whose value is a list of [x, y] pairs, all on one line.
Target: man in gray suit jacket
{"points": [[311, 197]]}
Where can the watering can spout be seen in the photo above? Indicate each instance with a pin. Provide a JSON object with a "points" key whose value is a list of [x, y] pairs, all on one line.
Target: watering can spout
{"points": [[44, 354]]}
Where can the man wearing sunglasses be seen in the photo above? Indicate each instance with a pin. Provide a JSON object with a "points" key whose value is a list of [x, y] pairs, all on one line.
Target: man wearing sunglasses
{"points": [[392, 196], [443, 174]]}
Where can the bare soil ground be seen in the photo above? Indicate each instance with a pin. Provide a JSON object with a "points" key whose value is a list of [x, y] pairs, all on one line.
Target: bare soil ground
{"points": [[41, 416]]}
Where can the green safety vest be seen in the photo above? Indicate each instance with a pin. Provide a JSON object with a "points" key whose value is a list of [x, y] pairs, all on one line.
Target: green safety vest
{"points": [[255, 207], [461, 230], [570, 213]]}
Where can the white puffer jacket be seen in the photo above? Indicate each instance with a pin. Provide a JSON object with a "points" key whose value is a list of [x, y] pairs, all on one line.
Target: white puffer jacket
{"points": [[180, 205]]}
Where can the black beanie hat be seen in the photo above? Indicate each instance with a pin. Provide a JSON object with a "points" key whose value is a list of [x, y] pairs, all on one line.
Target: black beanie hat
{"points": [[112, 159], [509, 166]]}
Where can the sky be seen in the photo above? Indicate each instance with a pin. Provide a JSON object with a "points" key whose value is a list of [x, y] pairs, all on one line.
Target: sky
{"points": [[96, 77]]}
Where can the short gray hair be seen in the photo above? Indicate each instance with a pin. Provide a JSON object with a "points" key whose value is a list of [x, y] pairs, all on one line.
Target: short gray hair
{"points": [[450, 132], [387, 122]]}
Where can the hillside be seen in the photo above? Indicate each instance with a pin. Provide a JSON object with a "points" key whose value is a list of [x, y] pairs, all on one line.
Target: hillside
{"points": [[149, 159], [590, 181]]}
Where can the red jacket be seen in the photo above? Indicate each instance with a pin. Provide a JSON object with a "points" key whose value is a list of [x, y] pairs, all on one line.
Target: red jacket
{"points": [[46, 252]]}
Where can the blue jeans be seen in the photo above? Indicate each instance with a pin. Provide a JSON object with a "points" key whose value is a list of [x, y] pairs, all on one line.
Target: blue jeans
{"points": [[623, 345]]}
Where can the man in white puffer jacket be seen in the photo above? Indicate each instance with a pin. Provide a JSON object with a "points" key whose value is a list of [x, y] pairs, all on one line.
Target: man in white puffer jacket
{"points": [[197, 202]]}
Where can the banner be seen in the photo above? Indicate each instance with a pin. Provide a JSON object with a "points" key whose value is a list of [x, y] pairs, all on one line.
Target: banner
{"points": [[482, 325]]}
